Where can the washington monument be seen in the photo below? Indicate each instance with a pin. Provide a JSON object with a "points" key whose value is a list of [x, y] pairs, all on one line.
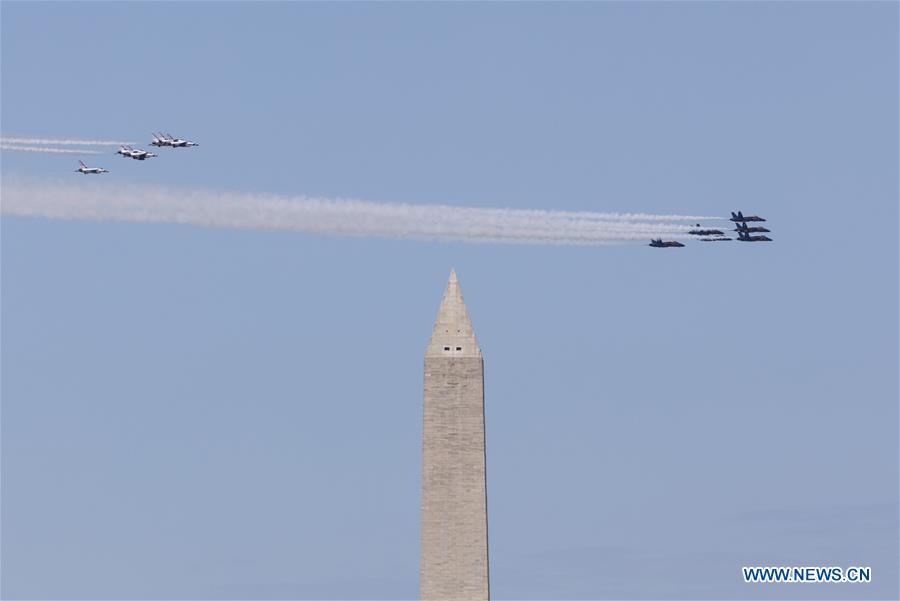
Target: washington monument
{"points": [[454, 561]]}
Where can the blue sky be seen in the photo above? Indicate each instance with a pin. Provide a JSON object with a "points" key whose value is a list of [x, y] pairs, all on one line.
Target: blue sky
{"points": [[195, 413]]}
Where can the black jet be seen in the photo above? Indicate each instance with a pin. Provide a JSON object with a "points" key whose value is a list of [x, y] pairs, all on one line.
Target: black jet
{"points": [[745, 237], [707, 233], [658, 243], [743, 227], [718, 239], [736, 217]]}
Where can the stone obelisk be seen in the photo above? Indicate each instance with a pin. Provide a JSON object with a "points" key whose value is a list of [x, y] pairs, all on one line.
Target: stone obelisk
{"points": [[454, 560]]}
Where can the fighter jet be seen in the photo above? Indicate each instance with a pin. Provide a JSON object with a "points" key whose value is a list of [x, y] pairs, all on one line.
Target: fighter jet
{"points": [[85, 169], [658, 243], [179, 143], [740, 217], [706, 233], [169, 140], [160, 140], [140, 155], [719, 239], [745, 237], [743, 227]]}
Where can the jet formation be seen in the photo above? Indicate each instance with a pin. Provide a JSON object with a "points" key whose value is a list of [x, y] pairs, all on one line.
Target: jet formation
{"points": [[158, 140], [705, 235], [743, 230]]}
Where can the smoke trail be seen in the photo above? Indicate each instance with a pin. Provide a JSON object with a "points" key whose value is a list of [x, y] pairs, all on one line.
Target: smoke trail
{"points": [[589, 215], [63, 142], [104, 201], [17, 148]]}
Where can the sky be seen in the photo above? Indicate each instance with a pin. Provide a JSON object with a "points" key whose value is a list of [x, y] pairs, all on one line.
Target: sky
{"points": [[212, 413]]}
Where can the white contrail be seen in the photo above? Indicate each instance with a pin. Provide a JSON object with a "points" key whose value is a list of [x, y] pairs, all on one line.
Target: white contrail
{"points": [[61, 142], [18, 148], [105, 201], [590, 215]]}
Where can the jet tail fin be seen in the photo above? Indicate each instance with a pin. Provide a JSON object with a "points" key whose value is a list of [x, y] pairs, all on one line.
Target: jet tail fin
{"points": [[82, 163]]}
